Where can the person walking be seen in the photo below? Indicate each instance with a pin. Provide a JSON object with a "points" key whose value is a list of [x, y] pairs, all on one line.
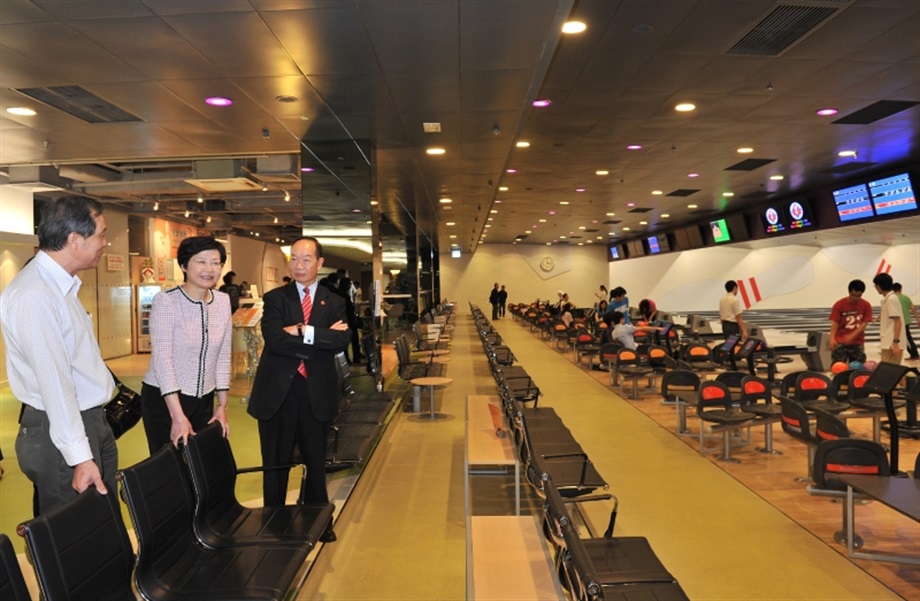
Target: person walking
{"points": [[891, 323], [730, 312], [493, 300], [909, 312], [502, 301], [849, 318]]}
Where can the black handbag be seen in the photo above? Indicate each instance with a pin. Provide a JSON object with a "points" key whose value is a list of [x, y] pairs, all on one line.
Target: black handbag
{"points": [[124, 410]]}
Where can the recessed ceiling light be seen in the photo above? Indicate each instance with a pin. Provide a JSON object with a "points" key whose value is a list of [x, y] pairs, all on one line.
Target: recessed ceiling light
{"points": [[307, 170], [450, 223], [581, 227], [847, 153], [563, 202], [694, 174], [542, 220], [728, 194], [634, 147], [777, 178], [445, 201], [503, 188], [685, 107], [573, 27], [528, 232], [541, 103], [626, 229], [665, 215], [643, 223], [21, 111], [493, 211], [601, 172], [579, 189], [452, 236], [218, 101], [691, 206], [435, 150], [510, 170], [630, 204], [611, 214], [827, 112], [657, 192], [551, 212], [522, 144], [745, 150]]}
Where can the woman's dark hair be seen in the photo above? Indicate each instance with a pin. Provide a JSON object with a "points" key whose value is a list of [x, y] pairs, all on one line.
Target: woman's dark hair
{"points": [[193, 245], [618, 291], [65, 216]]}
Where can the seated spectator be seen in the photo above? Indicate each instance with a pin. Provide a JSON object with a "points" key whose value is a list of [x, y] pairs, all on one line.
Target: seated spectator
{"points": [[623, 332]]}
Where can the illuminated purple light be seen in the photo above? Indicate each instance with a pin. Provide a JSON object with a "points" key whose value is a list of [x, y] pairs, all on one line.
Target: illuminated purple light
{"points": [[579, 189], [694, 174], [630, 204], [218, 101], [552, 212], [542, 103], [634, 147], [510, 170], [827, 112], [306, 170]]}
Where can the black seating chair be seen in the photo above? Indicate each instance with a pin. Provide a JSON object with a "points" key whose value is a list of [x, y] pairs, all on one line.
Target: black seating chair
{"points": [[796, 422], [815, 390], [680, 386], [787, 383], [629, 366], [868, 403], [604, 567], [607, 356], [586, 346], [757, 398], [221, 521], [714, 404], [81, 550], [173, 566], [842, 456], [12, 584], [699, 357]]}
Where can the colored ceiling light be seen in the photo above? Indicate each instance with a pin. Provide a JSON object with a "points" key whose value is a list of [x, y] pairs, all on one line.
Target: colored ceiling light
{"points": [[579, 189], [694, 174], [218, 101], [826, 112], [634, 147], [630, 204], [510, 170], [541, 103], [307, 170]]}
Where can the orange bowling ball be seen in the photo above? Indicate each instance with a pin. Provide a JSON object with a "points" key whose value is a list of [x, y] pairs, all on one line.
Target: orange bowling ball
{"points": [[838, 367]]}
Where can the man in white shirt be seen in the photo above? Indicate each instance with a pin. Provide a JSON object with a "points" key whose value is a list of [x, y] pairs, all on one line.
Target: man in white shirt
{"points": [[730, 311], [891, 323], [55, 369]]}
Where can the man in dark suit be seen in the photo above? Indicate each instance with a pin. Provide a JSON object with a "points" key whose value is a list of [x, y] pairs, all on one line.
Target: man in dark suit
{"points": [[295, 394]]}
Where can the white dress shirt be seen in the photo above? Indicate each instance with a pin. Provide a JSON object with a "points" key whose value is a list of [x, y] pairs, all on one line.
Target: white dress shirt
{"points": [[53, 359]]}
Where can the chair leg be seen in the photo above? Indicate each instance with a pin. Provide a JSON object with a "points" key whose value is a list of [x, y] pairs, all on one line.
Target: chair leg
{"points": [[768, 440], [840, 537], [727, 448]]}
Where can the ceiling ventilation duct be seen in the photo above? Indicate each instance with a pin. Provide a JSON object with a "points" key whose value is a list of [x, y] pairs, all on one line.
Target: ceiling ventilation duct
{"points": [[37, 178], [221, 176], [787, 24], [278, 168]]}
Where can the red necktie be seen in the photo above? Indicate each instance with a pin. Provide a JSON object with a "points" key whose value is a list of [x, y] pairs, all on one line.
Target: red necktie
{"points": [[307, 305]]}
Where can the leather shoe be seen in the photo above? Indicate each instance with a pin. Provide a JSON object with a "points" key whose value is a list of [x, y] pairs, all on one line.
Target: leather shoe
{"points": [[328, 536]]}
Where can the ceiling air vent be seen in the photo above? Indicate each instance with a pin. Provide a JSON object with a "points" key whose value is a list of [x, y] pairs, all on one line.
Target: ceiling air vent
{"points": [[749, 164], [784, 26], [875, 112], [682, 192], [80, 103]]}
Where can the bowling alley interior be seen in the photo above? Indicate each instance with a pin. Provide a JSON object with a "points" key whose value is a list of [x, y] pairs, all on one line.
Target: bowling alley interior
{"points": [[536, 215]]}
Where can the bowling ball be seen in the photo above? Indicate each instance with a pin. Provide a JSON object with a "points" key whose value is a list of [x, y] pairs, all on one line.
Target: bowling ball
{"points": [[870, 365], [856, 365], [838, 367]]}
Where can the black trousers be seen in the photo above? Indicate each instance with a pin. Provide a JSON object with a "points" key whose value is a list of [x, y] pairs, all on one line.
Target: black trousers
{"points": [[294, 423], [158, 423], [730, 327]]}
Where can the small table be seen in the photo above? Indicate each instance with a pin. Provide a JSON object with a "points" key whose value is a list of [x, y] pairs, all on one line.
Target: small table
{"points": [[430, 382], [901, 494]]}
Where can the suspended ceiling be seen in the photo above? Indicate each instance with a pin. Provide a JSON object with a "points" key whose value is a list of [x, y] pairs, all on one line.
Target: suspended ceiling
{"points": [[331, 78]]}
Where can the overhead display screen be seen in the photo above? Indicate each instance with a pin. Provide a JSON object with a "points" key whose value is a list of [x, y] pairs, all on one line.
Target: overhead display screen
{"points": [[892, 195], [799, 215], [853, 203], [653, 247], [774, 221], [720, 231]]}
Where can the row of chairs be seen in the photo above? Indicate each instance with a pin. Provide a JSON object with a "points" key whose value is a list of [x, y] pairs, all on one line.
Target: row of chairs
{"points": [[560, 471], [362, 416], [412, 365], [195, 540], [513, 381]]}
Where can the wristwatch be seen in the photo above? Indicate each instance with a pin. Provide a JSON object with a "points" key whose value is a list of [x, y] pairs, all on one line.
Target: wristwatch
{"points": [[896, 340]]}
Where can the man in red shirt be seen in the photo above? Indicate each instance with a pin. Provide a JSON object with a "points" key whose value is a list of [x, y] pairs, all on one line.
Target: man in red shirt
{"points": [[849, 318]]}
